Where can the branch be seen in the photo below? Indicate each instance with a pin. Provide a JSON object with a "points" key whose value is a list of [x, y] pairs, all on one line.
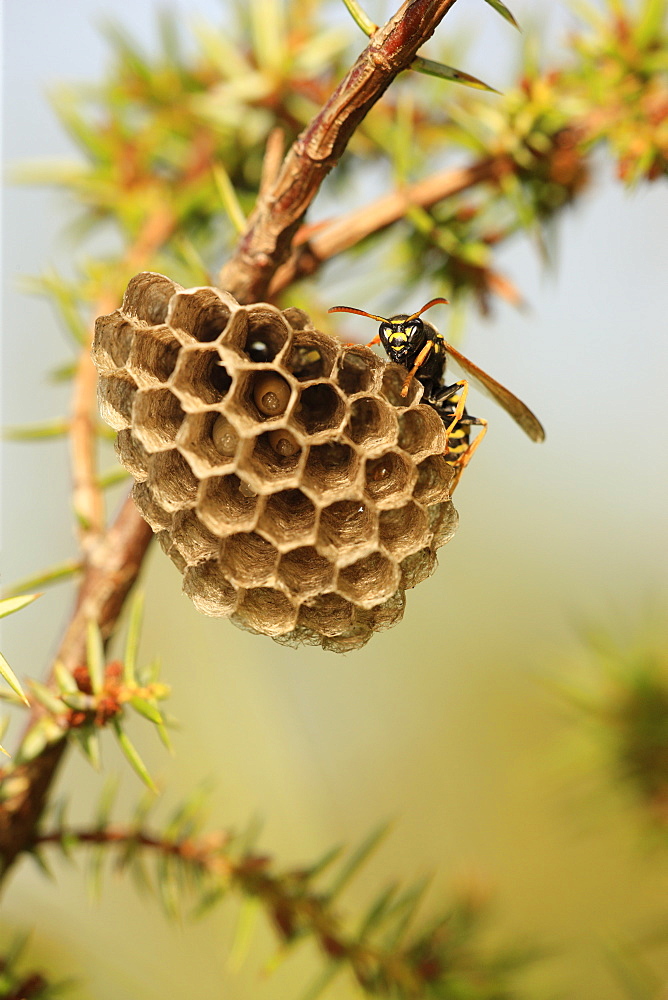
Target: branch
{"points": [[112, 569], [279, 211], [350, 229], [86, 495], [384, 954]]}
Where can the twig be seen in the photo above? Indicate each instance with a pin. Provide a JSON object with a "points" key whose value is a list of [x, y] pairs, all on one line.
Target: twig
{"points": [[113, 567], [348, 230], [294, 906], [187, 849], [278, 213], [87, 497]]}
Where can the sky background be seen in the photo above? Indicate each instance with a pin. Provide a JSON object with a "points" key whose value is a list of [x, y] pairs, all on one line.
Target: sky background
{"points": [[447, 724]]}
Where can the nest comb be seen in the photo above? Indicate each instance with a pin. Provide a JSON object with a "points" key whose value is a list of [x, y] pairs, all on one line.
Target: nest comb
{"points": [[299, 494]]}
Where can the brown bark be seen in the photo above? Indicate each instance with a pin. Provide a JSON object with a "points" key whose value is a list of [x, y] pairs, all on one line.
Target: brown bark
{"points": [[112, 570], [267, 242]]}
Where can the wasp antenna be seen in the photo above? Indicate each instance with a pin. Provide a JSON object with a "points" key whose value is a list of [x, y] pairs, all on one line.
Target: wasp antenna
{"points": [[432, 302], [358, 312]]}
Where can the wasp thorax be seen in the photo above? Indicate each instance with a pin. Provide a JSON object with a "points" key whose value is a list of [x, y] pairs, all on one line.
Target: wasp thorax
{"points": [[309, 531]]}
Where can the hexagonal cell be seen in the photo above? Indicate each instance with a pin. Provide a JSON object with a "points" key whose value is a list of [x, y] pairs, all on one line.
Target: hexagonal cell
{"points": [[433, 480], [200, 378], [132, 455], [369, 580], [389, 479], [394, 377], [304, 572], [156, 418], [288, 519], [234, 338], [347, 528], [327, 614], [171, 480], [312, 355], [192, 539], [147, 297], [112, 342], [265, 468], [443, 521], [258, 385], [208, 589], [116, 394], [149, 508], [197, 439], [153, 356], [421, 431], [271, 393], [266, 334], [249, 560], [331, 468], [359, 370], [417, 567], [319, 409], [403, 530], [224, 505], [371, 423], [201, 313], [267, 611]]}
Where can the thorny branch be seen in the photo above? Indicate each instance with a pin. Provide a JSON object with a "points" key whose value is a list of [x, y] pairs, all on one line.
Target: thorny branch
{"points": [[278, 213], [113, 567], [115, 558], [411, 965]]}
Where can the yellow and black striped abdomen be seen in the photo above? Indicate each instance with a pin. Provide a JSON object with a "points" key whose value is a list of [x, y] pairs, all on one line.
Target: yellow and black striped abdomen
{"points": [[459, 438]]}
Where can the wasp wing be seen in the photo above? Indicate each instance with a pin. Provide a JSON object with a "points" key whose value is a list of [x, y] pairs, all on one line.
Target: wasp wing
{"points": [[520, 413]]}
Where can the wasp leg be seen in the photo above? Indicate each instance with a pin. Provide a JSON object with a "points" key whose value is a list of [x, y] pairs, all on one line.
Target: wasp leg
{"points": [[419, 361], [461, 387], [463, 460], [443, 394], [376, 340]]}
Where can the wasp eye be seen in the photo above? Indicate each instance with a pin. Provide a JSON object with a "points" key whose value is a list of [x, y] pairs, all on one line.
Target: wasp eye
{"points": [[385, 330], [413, 329]]}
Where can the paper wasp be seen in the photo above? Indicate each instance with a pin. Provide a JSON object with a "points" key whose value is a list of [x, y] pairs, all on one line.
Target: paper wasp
{"points": [[423, 351]]}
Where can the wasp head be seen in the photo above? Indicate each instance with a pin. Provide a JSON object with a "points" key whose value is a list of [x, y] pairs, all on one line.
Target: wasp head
{"points": [[402, 337]]}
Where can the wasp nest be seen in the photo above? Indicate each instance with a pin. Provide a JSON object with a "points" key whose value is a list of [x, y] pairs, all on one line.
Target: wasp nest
{"points": [[299, 494]]}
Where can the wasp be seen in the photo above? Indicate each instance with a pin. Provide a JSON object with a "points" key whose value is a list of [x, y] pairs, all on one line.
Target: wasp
{"points": [[423, 351]]}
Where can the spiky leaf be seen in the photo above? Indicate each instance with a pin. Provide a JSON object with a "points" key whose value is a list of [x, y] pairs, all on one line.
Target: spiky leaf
{"points": [[95, 656], [501, 9], [443, 72], [132, 755]]}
